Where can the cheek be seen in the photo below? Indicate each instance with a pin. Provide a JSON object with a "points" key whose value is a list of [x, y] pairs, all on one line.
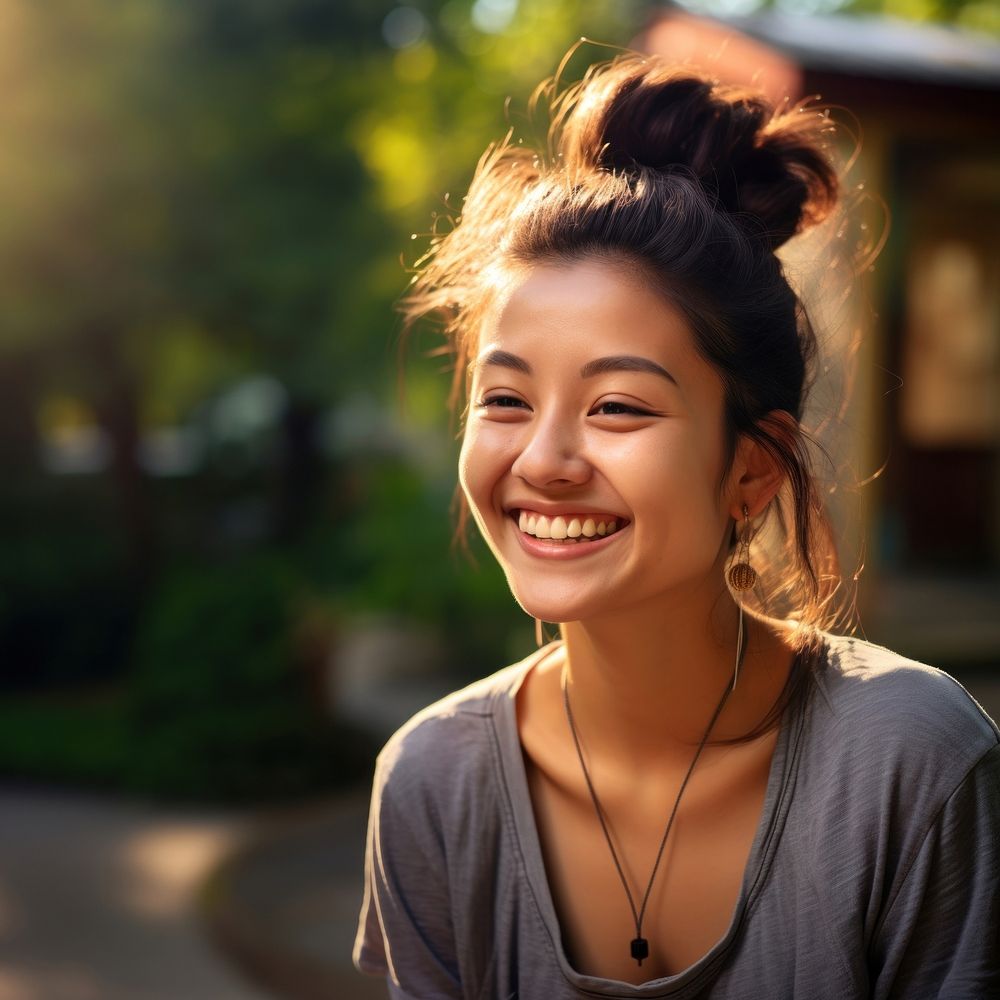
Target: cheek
{"points": [[481, 463], [677, 487], [467, 468]]}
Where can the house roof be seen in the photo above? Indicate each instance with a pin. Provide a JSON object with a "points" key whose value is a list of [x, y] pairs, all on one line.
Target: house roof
{"points": [[879, 46]]}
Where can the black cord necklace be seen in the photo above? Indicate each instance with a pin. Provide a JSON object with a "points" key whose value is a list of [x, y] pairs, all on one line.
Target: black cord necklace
{"points": [[639, 947]]}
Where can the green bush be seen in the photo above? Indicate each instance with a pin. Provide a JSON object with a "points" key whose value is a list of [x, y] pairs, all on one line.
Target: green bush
{"points": [[405, 561], [222, 705], [66, 740], [66, 610]]}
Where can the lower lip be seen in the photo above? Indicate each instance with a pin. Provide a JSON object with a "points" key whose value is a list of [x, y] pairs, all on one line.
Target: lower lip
{"points": [[561, 550]]}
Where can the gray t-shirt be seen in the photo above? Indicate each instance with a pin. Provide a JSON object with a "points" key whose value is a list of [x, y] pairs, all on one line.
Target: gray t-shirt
{"points": [[874, 872]]}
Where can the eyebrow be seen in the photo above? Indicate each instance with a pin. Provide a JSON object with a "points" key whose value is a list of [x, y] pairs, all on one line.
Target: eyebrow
{"points": [[625, 363], [504, 359], [599, 366]]}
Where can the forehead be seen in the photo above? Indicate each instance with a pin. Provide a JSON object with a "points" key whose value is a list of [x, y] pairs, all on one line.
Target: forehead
{"points": [[585, 307]]}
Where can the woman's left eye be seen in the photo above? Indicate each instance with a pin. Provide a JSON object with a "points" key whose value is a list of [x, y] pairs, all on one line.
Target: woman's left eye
{"points": [[613, 408]]}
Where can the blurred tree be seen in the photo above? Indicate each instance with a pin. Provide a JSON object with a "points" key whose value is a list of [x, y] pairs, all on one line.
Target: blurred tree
{"points": [[196, 191], [193, 191], [242, 172], [278, 229], [84, 221]]}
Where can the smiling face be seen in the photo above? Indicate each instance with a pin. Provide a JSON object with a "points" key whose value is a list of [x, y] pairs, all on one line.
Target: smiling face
{"points": [[591, 409]]}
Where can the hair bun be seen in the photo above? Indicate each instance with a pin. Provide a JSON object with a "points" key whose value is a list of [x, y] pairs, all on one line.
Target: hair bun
{"points": [[641, 114]]}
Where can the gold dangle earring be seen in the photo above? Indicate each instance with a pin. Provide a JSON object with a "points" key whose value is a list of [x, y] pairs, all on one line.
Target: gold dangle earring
{"points": [[539, 633], [742, 576]]}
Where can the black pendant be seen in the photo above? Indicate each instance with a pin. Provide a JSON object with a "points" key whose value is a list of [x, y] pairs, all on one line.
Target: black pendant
{"points": [[640, 949]]}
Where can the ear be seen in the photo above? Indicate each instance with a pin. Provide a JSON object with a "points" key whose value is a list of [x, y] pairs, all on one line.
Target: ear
{"points": [[758, 474]]}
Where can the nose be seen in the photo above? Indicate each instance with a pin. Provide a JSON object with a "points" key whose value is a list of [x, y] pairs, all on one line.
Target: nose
{"points": [[552, 455]]}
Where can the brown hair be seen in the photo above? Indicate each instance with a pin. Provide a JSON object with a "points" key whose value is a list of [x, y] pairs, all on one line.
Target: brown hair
{"points": [[697, 184]]}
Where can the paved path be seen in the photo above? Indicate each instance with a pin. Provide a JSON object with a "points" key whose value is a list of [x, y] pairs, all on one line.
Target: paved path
{"points": [[98, 898], [97, 901], [286, 905]]}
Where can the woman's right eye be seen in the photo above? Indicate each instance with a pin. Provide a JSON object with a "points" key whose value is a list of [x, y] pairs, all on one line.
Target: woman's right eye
{"points": [[502, 402]]}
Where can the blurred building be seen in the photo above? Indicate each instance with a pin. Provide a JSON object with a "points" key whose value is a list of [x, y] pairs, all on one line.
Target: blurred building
{"points": [[924, 101]]}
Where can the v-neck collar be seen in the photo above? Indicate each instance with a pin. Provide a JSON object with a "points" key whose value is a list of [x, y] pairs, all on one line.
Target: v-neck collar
{"points": [[695, 977]]}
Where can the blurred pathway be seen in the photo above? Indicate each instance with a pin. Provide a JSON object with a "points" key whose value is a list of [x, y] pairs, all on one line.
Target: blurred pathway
{"points": [[98, 901], [286, 905], [98, 898]]}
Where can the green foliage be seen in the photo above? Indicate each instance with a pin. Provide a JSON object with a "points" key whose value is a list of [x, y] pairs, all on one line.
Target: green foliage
{"points": [[194, 191], [395, 553], [64, 611], [65, 605], [221, 704], [64, 739]]}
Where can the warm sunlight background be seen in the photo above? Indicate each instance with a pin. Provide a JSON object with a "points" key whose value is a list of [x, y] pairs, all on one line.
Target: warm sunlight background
{"points": [[226, 568]]}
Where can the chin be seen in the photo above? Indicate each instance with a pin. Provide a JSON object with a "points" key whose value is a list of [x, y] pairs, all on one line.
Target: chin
{"points": [[551, 605]]}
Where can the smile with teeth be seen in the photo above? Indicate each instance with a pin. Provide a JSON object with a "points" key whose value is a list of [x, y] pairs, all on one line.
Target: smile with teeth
{"points": [[568, 529]]}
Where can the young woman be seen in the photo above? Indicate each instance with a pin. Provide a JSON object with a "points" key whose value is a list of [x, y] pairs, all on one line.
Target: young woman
{"points": [[697, 791]]}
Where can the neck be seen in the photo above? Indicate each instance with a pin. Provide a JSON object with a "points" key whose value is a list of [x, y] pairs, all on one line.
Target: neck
{"points": [[646, 681]]}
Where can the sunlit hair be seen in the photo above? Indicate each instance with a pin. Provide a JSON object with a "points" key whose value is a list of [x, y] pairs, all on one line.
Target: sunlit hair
{"points": [[693, 185]]}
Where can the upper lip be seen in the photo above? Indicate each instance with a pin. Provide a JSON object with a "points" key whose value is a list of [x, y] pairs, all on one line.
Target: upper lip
{"points": [[555, 509]]}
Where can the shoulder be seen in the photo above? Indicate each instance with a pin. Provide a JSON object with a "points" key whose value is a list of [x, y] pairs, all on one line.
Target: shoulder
{"points": [[867, 688], [450, 742], [887, 746], [880, 722]]}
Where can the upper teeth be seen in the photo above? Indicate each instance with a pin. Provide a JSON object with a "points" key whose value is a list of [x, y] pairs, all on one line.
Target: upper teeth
{"points": [[542, 526]]}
